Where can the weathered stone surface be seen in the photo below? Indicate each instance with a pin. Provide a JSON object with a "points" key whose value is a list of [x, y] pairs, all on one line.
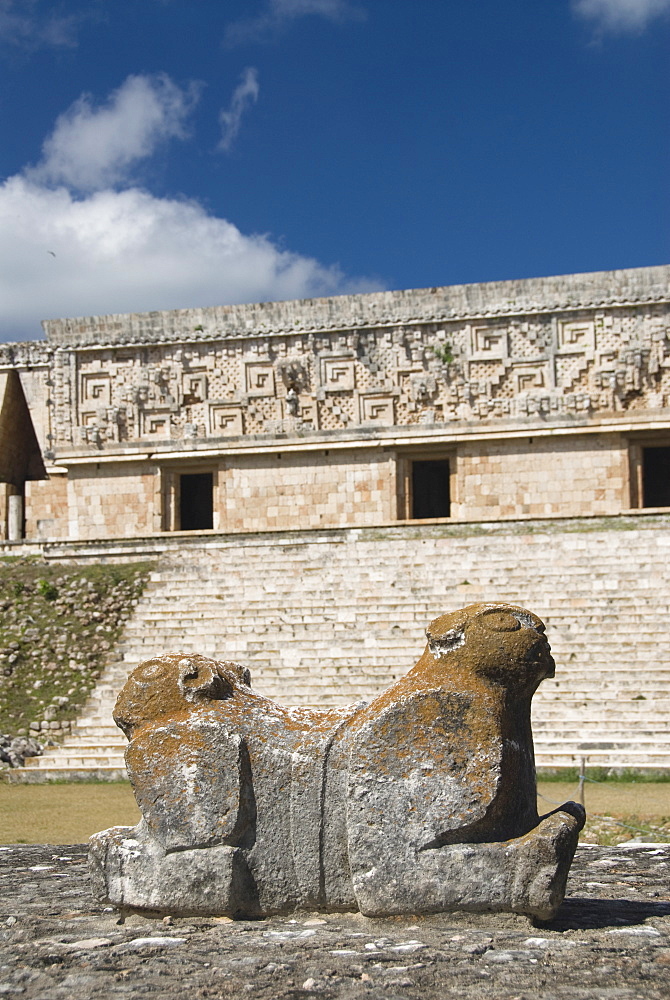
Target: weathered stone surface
{"points": [[422, 801], [610, 940], [14, 750]]}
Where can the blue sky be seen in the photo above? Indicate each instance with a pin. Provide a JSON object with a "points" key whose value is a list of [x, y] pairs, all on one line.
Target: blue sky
{"points": [[160, 154]]}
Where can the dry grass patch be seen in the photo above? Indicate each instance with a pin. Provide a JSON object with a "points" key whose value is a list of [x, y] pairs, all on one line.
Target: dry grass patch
{"points": [[616, 811], [63, 814], [70, 813]]}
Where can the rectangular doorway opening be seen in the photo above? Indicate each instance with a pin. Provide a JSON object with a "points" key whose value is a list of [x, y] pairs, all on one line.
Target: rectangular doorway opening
{"points": [[656, 477], [196, 504], [430, 489]]}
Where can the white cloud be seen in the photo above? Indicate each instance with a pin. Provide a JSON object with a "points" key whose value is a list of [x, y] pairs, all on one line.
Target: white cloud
{"points": [[244, 94], [276, 15], [621, 15], [336, 10], [91, 148], [22, 24], [127, 251], [73, 245]]}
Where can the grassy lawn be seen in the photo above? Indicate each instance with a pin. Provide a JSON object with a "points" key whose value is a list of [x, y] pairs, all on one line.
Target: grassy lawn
{"points": [[643, 804], [69, 814], [63, 814]]}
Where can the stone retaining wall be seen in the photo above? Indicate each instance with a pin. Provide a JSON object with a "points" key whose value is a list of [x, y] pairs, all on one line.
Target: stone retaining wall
{"points": [[330, 617]]}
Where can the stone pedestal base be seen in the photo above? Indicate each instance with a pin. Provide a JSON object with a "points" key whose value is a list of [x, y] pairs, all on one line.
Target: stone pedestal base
{"points": [[525, 875]]}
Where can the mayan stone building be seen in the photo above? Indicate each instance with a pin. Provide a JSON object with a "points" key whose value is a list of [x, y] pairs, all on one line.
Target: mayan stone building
{"points": [[521, 399], [314, 481]]}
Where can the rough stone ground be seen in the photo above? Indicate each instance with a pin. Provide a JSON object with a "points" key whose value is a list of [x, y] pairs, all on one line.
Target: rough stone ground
{"points": [[610, 941]]}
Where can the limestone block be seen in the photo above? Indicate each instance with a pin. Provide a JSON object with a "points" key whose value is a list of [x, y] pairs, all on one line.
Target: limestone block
{"points": [[423, 800]]}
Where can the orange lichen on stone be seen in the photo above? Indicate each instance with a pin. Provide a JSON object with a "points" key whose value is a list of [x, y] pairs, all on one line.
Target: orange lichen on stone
{"points": [[366, 807]]}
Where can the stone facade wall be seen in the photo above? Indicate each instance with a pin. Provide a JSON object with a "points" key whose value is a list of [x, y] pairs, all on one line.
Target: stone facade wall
{"points": [[539, 392], [543, 477], [555, 477], [269, 492], [115, 501], [47, 507]]}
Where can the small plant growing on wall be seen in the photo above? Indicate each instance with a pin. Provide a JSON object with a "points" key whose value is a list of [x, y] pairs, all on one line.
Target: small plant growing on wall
{"points": [[443, 352], [47, 589]]}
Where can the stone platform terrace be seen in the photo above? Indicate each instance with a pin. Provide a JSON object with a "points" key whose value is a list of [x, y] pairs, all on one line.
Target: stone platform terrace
{"points": [[610, 941], [334, 616]]}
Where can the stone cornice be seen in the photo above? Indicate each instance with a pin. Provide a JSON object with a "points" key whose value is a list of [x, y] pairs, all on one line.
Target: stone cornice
{"points": [[531, 296]]}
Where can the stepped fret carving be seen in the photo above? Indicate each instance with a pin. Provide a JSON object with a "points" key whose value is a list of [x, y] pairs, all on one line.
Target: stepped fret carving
{"points": [[386, 376], [579, 344]]}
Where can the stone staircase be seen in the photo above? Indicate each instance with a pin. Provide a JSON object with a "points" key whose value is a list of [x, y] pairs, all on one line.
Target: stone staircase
{"points": [[330, 618]]}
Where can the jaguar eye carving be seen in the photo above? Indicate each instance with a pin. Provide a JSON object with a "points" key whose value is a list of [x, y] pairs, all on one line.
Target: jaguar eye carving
{"points": [[501, 621]]}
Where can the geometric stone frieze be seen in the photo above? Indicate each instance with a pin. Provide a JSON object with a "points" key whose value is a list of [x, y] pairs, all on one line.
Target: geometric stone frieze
{"points": [[376, 408], [576, 336], [225, 420], [338, 374], [386, 368], [489, 342], [260, 379]]}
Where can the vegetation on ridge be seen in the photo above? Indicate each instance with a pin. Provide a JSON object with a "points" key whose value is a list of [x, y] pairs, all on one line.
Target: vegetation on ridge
{"points": [[58, 624]]}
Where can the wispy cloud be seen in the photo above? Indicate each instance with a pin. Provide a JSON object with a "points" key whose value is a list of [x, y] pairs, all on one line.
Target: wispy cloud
{"points": [[95, 147], [73, 244], [621, 16], [245, 93], [27, 24], [276, 15]]}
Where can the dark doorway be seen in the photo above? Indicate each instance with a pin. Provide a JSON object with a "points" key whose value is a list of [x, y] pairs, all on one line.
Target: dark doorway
{"points": [[20, 453], [196, 503], [656, 477], [430, 489]]}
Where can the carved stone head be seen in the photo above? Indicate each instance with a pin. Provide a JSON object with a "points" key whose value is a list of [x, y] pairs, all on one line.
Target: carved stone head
{"points": [[171, 685], [500, 642]]}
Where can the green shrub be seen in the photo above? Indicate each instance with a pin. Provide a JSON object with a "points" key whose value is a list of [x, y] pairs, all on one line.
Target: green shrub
{"points": [[47, 589], [443, 352]]}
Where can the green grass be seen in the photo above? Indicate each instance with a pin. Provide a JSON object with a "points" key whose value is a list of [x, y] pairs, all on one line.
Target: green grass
{"points": [[70, 813], [57, 627], [63, 814], [626, 775]]}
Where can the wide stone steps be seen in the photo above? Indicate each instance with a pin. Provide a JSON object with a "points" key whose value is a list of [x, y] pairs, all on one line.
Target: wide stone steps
{"points": [[614, 754], [543, 730], [85, 757], [329, 620], [591, 713], [101, 746]]}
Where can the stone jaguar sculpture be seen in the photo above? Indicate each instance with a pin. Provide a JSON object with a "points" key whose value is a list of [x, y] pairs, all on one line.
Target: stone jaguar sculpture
{"points": [[421, 801]]}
